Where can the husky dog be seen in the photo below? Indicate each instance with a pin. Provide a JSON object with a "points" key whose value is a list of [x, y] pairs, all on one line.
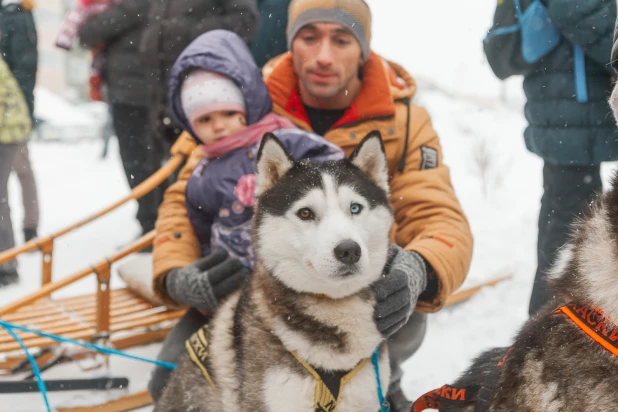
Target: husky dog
{"points": [[558, 362], [300, 336]]}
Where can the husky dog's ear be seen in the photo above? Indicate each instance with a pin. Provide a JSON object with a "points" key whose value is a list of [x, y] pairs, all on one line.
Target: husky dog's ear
{"points": [[370, 157], [273, 161]]}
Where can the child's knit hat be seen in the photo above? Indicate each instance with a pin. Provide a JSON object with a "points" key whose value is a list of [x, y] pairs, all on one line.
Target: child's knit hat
{"points": [[205, 92]]}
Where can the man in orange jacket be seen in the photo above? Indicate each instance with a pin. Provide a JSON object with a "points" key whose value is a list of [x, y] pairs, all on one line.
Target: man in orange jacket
{"points": [[333, 84]]}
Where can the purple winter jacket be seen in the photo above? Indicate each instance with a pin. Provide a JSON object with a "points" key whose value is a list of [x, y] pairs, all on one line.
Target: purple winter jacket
{"points": [[220, 218]]}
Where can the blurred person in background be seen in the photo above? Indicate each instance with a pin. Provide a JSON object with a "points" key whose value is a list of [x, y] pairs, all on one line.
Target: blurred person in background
{"points": [[15, 127], [115, 33], [30, 198], [270, 40], [18, 44], [569, 121], [171, 26]]}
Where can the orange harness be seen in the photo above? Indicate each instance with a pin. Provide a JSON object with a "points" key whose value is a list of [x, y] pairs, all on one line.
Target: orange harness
{"points": [[596, 324], [479, 395]]}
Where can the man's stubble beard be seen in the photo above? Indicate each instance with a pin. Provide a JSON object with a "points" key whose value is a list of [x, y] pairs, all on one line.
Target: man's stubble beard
{"points": [[337, 90]]}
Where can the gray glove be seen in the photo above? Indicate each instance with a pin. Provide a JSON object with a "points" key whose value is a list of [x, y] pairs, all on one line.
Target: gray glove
{"points": [[206, 282], [404, 279]]}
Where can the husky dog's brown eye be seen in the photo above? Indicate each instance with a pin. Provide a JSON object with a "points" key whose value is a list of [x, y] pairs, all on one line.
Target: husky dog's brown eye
{"points": [[305, 214], [356, 208]]}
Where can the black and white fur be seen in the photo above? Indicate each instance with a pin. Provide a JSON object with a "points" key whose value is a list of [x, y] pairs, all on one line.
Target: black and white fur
{"points": [[553, 365], [307, 293]]}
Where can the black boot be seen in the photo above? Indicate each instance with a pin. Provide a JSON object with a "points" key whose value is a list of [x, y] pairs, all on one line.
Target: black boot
{"points": [[30, 234], [8, 277]]}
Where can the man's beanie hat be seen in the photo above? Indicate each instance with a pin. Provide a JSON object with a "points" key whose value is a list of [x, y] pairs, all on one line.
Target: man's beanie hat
{"points": [[352, 14]]}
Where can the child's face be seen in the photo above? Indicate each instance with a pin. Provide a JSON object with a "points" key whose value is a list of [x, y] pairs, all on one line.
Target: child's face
{"points": [[216, 125]]}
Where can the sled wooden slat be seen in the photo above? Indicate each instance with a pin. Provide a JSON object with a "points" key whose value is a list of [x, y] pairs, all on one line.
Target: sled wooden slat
{"points": [[42, 304], [115, 293], [124, 404], [91, 310], [59, 330], [25, 315], [149, 321], [33, 321], [86, 309], [78, 321], [90, 303], [116, 313], [136, 339], [45, 342]]}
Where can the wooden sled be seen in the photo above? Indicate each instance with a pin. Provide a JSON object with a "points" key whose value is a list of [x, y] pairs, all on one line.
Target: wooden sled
{"points": [[119, 319]]}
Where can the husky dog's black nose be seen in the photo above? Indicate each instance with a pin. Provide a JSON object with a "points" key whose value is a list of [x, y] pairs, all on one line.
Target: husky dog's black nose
{"points": [[348, 252]]}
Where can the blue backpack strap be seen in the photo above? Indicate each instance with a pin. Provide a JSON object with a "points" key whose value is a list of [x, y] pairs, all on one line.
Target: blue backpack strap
{"points": [[517, 8], [581, 88]]}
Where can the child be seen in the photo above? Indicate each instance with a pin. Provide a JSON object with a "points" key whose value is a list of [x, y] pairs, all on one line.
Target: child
{"points": [[217, 93], [69, 30]]}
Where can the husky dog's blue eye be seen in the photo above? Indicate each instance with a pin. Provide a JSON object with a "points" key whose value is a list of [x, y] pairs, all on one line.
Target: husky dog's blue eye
{"points": [[305, 214], [356, 208]]}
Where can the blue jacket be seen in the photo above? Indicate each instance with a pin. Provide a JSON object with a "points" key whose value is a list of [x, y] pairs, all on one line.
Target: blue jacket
{"points": [[217, 211], [569, 121], [270, 40]]}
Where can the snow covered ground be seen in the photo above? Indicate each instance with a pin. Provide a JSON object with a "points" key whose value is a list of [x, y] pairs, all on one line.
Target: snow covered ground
{"points": [[496, 179]]}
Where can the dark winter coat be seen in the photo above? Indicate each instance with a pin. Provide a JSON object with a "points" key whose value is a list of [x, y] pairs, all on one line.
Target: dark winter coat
{"points": [[18, 43], [565, 126], [270, 39], [119, 29], [219, 214], [172, 25]]}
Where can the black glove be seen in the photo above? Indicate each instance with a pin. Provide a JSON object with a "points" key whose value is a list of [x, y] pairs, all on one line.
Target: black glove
{"points": [[207, 281], [404, 279]]}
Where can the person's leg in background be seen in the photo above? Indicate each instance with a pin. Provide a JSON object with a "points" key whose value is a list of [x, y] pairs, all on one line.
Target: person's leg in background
{"points": [[140, 158], [8, 270], [567, 193], [23, 169], [174, 348], [401, 346]]}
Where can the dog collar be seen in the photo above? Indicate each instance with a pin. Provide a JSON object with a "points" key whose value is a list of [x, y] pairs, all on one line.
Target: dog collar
{"points": [[328, 385], [197, 347], [596, 324]]}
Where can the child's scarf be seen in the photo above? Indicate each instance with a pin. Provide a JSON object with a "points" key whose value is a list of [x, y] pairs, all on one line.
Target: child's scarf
{"points": [[248, 136]]}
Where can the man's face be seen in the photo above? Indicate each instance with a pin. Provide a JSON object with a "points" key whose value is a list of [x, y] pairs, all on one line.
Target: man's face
{"points": [[326, 58]]}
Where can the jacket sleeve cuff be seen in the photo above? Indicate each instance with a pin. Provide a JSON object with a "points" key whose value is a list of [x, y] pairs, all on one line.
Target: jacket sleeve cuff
{"points": [[431, 290]]}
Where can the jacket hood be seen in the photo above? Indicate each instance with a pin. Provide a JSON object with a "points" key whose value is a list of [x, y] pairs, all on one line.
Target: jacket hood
{"points": [[223, 52], [383, 84]]}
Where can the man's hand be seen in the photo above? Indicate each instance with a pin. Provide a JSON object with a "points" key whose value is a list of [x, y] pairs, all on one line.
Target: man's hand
{"points": [[206, 282], [404, 279]]}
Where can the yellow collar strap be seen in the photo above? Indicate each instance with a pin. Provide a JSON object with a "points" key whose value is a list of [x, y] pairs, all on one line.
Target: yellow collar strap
{"points": [[197, 346], [328, 385]]}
